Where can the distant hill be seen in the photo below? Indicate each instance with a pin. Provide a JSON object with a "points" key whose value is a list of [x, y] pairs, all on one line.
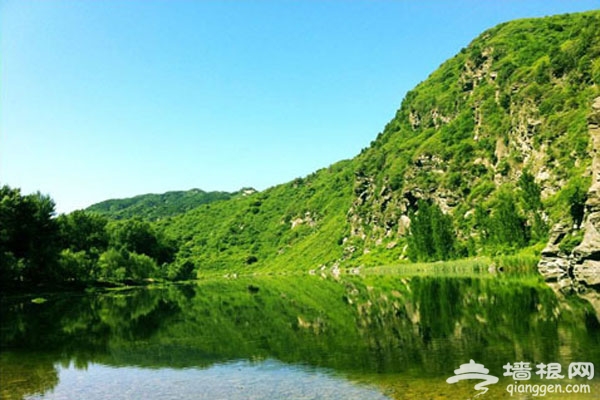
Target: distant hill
{"points": [[153, 207]]}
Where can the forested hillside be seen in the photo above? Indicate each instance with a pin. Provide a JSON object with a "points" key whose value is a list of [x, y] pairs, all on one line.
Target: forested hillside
{"points": [[484, 157], [155, 206]]}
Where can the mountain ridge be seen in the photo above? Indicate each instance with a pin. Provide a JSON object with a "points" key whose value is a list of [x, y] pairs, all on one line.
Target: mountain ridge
{"points": [[153, 206], [496, 138]]}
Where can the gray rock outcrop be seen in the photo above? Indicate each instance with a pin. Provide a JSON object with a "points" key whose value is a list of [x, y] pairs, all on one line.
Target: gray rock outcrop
{"points": [[579, 271]]}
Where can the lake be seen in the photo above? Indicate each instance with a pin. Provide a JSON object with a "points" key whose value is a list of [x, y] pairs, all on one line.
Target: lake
{"points": [[388, 336]]}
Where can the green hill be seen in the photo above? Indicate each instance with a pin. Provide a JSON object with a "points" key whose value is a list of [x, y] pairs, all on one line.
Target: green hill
{"points": [[484, 157], [156, 206], [496, 152]]}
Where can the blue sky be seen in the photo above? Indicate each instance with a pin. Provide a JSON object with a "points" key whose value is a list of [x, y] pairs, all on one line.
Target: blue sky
{"points": [[105, 99]]}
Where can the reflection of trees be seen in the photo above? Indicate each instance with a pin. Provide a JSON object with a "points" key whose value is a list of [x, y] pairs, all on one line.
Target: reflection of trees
{"points": [[425, 324], [134, 315], [370, 325], [20, 377], [67, 328]]}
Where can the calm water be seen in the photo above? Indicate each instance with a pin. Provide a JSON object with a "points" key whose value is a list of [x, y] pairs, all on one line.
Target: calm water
{"points": [[301, 337]]}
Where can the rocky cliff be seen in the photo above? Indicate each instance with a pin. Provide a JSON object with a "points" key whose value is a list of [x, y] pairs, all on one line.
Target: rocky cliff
{"points": [[514, 104], [579, 270]]}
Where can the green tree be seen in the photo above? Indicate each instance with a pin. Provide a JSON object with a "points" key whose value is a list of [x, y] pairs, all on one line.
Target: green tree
{"points": [[530, 192], [431, 235], [577, 196], [137, 236], [76, 266], [506, 224], [112, 265], [83, 231], [443, 233], [420, 238], [531, 196], [28, 237], [140, 266], [181, 270]]}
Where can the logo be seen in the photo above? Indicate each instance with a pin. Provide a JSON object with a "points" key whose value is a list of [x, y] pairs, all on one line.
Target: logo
{"points": [[473, 370]]}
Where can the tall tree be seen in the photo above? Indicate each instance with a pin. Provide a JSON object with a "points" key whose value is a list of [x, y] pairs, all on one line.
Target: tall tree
{"points": [[28, 237], [432, 234], [507, 226]]}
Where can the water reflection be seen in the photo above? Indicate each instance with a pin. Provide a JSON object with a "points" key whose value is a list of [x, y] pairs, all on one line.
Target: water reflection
{"points": [[240, 380], [380, 330]]}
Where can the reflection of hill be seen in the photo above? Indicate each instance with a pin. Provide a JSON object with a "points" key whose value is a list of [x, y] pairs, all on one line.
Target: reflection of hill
{"points": [[410, 326]]}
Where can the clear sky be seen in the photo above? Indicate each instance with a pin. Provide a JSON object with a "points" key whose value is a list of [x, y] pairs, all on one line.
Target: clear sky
{"points": [[105, 99]]}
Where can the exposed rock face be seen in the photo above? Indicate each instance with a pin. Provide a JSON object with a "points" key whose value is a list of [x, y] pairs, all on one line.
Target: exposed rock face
{"points": [[586, 268], [554, 265], [377, 212], [580, 270], [588, 272], [308, 219]]}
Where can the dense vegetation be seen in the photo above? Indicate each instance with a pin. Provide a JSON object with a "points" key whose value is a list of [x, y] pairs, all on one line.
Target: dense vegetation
{"points": [[483, 158], [37, 248], [155, 206], [497, 137]]}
